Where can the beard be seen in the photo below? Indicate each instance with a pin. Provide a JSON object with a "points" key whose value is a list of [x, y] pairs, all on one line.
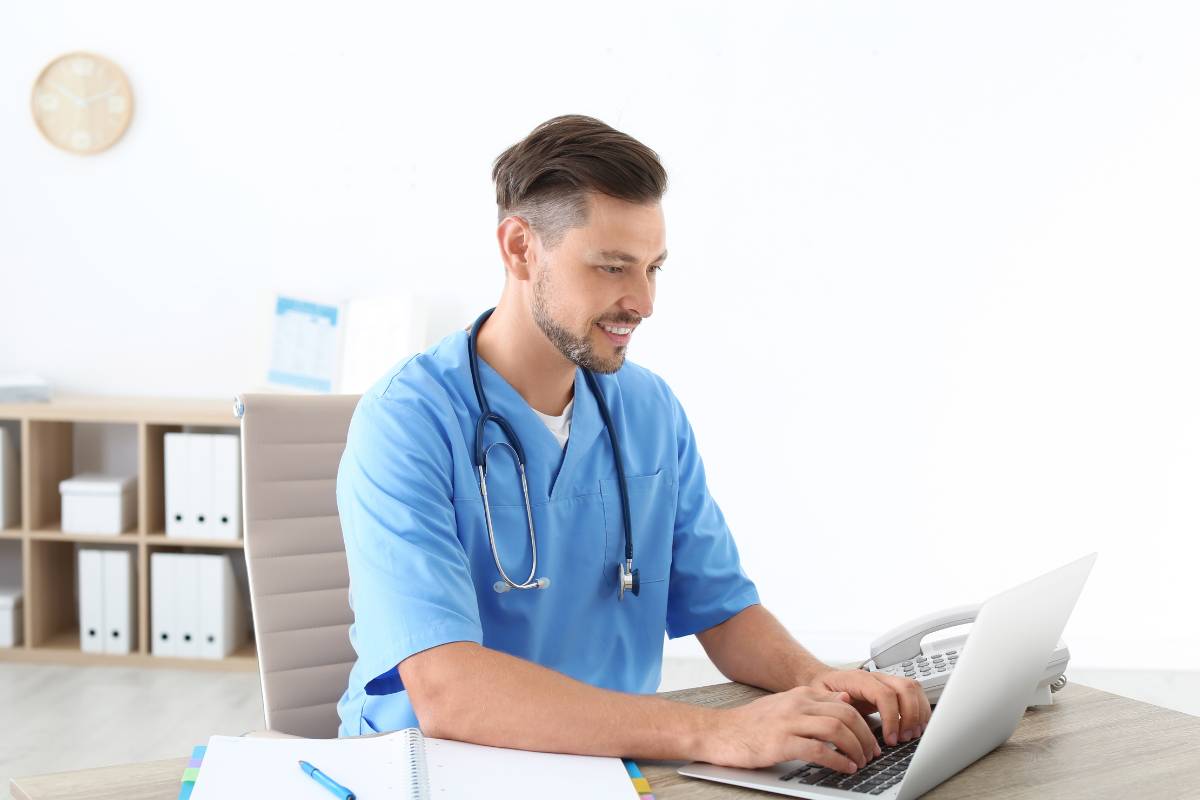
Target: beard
{"points": [[576, 349]]}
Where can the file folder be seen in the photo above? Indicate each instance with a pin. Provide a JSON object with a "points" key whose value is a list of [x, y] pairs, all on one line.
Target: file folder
{"points": [[175, 482], [9, 483], [118, 600], [221, 628], [162, 608], [225, 474], [200, 483], [91, 601], [187, 602]]}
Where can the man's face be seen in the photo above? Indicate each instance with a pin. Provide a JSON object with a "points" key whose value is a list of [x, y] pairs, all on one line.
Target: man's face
{"points": [[591, 291]]}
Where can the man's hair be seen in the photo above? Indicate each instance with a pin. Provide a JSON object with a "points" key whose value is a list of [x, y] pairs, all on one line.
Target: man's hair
{"points": [[545, 178]]}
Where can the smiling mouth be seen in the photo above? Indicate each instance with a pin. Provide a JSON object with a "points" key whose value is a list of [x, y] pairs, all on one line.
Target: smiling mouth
{"points": [[617, 334]]}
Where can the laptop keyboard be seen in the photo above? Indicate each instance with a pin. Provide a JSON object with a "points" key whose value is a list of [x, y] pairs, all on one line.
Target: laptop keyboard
{"points": [[875, 778]]}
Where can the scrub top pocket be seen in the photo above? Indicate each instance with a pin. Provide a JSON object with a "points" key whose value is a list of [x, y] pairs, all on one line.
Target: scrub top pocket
{"points": [[652, 500]]}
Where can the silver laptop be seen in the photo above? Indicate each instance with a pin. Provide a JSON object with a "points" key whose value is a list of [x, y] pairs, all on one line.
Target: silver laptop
{"points": [[979, 709]]}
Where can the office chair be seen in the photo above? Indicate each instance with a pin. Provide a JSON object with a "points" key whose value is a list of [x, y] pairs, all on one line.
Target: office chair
{"points": [[295, 555]]}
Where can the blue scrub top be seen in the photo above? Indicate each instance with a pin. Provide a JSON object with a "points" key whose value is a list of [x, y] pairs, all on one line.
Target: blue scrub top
{"points": [[421, 569]]}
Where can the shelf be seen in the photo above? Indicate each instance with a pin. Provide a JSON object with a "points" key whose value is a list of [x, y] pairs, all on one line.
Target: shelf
{"points": [[174, 411], [63, 648], [49, 435], [55, 534], [160, 539]]}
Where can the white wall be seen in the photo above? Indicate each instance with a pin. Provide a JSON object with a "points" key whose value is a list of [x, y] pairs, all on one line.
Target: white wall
{"points": [[931, 295]]}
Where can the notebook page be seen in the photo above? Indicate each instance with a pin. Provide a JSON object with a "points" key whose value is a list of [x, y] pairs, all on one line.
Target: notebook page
{"points": [[458, 770], [245, 768]]}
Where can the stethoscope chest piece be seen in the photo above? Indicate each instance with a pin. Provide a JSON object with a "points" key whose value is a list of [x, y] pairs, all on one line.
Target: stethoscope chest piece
{"points": [[628, 580]]}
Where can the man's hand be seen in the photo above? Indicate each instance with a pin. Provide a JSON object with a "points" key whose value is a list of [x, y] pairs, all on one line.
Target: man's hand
{"points": [[902, 705], [795, 724]]}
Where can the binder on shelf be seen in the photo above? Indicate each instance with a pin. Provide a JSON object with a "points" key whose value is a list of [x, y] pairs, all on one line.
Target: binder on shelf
{"points": [[162, 608], [221, 622], [118, 600], [175, 481], [202, 484], [91, 601], [196, 609], [9, 482], [227, 486], [187, 604]]}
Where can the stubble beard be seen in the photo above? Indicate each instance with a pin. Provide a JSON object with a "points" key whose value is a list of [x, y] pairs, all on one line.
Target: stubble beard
{"points": [[576, 349]]}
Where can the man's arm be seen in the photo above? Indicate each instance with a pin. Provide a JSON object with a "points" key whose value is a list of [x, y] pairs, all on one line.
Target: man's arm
{"points": [[752, 647], [467, 692], [471, 693]]}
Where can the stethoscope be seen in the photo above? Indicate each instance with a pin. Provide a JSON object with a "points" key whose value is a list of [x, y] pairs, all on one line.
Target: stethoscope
{"points": [[627, 576]]}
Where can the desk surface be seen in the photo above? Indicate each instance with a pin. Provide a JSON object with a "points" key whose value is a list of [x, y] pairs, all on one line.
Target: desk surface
{"points": [[1089, 744]]}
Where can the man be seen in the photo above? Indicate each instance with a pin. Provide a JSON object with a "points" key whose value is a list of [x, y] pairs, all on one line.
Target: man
{"points": [[444, 640]]}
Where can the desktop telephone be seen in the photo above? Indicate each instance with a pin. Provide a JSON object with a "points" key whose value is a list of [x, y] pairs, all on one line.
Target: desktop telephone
{"points": [[899, 652]]}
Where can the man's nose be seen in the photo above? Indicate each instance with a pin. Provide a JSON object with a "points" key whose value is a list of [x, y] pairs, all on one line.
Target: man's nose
{"points": [[640, 299]]}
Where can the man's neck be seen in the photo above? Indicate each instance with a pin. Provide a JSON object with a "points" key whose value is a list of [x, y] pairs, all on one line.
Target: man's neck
{"points": [[513, 344]]}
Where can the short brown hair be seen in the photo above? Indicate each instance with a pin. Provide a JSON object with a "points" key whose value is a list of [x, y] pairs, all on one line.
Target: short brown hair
{"points": [[546, 176]]}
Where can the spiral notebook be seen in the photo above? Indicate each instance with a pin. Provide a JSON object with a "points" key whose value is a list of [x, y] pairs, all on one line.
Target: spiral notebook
{"points": [[402, 764]]}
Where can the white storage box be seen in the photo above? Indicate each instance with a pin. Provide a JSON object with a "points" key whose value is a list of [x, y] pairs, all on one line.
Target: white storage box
{"points": [[11, 617], [95, 503]]}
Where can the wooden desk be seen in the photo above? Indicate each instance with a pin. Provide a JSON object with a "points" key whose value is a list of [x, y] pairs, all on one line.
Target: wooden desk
{"points": [[1089, 744]]}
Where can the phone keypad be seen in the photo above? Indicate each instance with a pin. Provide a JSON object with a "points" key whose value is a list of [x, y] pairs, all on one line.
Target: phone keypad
{"points": [[926, 665]]}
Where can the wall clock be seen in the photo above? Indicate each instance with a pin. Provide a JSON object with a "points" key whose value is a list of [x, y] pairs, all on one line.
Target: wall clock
{"points": [[82, 103]]}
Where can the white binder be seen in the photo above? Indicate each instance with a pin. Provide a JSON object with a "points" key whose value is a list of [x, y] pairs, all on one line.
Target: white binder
{"points": [[91, 601], [226, 476], [175, 482], [200, 484], [162, 603], [221, 631], [9, 486], [187, 603], [118, 600]]}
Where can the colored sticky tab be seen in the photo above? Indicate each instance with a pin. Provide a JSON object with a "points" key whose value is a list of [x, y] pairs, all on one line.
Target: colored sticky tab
{"points": [[640, 784], [188, 781]]}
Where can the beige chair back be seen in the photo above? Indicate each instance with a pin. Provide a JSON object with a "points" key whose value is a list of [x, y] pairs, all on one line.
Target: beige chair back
{"points": [[295, 555]]}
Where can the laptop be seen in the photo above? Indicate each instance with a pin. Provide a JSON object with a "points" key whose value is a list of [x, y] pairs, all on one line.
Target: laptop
{"points": [[985, 698]]}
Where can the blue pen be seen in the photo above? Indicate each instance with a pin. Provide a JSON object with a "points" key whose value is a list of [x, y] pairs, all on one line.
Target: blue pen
{"points": [[326, 781]]}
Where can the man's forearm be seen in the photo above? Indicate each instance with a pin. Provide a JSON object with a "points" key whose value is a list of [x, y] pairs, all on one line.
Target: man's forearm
{"points": [[752, 647], [488, 697]]}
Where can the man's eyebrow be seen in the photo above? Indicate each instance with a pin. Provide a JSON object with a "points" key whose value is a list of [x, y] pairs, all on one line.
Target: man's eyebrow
{"points": [[621, 255]]}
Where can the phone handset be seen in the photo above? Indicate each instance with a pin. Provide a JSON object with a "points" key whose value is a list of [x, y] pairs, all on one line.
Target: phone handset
{"points": [[904, 642], [899, 652]]}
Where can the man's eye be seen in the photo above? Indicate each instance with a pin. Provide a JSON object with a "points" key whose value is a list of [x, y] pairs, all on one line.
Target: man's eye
{"points": [[613, 270], [656, 268]]}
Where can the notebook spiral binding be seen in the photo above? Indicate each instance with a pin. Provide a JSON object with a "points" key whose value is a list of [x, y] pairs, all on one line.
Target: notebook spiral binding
{"points": [[419, 782]]}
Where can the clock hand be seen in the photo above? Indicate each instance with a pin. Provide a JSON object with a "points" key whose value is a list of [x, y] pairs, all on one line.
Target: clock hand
{"points": [[79, 101], [110, 90]]}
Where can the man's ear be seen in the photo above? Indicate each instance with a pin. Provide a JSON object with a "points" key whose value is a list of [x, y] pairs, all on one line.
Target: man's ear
{"points": [[516, 240]]}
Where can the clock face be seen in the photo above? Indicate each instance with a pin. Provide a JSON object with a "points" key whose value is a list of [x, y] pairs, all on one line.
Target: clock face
{"points": [[82, 103]]}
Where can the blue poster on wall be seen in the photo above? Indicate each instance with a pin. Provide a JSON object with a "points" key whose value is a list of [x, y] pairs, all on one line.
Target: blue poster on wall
{"points": [[306, 344]]}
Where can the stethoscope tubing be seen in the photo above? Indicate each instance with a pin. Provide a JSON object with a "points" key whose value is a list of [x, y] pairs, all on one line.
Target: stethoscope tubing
{"points": [[513, 443]]}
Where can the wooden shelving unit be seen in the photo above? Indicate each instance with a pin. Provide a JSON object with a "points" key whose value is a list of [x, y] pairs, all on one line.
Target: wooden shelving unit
{"points": [[46, 440]]}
